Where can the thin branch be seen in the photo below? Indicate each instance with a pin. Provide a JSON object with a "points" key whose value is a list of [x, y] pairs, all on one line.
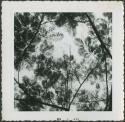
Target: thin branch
{"points": [[109, 107], [98, 35], [77, 77], [30, 42], [39, 100], [79, 88], [16, 81], [47, 104], [106, 83], [27, 46], [19, 21], [97, 65]]}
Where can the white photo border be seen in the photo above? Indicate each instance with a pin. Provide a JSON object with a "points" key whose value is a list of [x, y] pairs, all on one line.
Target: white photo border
{"points": [[8, 10]]}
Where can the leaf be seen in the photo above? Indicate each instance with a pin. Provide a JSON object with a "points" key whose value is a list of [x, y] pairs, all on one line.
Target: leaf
{"points": [[97, 86]]}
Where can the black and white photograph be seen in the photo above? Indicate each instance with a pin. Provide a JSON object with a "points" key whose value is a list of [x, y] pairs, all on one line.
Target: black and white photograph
{"points": [[62, 60]]}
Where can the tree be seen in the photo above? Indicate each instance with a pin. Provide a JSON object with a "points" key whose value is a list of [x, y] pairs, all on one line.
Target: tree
{"points": [[52, 85]]}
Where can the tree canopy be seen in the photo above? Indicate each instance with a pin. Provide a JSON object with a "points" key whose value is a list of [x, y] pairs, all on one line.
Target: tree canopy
{"points": [[56, 70]]}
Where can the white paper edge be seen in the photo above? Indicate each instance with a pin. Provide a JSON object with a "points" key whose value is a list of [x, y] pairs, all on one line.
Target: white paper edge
{"points": [[8, 9]]}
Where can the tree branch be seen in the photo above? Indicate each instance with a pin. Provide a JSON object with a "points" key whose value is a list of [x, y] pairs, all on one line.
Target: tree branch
{"points": [[77, 77], [16, 81], [97, 65], [109, 107], [27, 46], [39, 100], [47, 104], [98, 35], [19, 21], [106, 84]]}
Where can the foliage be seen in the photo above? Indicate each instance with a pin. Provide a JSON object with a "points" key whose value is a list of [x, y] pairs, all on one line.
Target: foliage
{"points": [[52, 85]]}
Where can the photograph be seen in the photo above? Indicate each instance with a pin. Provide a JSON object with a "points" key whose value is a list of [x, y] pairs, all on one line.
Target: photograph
{"points": [[62, 61]]}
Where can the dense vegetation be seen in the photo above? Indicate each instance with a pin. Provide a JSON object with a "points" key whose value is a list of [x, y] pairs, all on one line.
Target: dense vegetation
{"points": [[52, 85]]}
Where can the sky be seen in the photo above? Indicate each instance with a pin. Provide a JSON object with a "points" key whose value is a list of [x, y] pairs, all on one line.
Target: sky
{"points": [[66, 46]]}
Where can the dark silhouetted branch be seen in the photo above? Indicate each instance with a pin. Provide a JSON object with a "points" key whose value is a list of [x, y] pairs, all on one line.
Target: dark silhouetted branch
{"points": [[106, 84], [77, 77], [98, 35], [30, 42], [97, 65], [38, 100], [16, 81], [47, 104]]}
